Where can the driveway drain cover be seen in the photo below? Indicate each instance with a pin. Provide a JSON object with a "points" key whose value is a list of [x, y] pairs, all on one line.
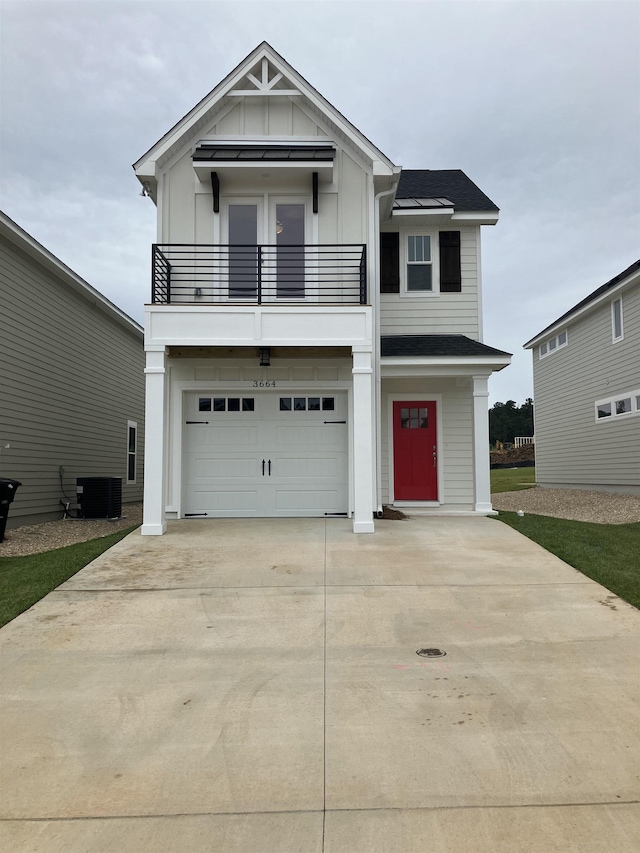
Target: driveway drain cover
{"points": [[431, 653]]}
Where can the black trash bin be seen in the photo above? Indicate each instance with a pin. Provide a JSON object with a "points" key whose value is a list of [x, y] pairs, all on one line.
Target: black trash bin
{"points": [[8, 489]]}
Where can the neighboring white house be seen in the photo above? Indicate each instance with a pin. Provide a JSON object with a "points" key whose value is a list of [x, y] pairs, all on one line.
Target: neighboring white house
{"points": [[586, 380], [314, 341], [71, 382]]}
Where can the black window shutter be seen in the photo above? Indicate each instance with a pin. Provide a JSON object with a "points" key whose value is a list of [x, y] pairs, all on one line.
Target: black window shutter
{"points": [[450, 274], [390, 262]]}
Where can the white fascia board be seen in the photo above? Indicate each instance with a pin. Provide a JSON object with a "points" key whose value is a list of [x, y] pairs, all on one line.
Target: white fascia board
{"points": [[148, 171], [205, 167], [489, 217], [263, 51], [383, 169], [442, 366], [29, 245], [564, 321], [408, 213]]}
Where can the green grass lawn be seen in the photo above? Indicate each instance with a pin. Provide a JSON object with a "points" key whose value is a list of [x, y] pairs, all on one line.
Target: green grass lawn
{"points": [[606, 553], [512, 479], [25, 580]]}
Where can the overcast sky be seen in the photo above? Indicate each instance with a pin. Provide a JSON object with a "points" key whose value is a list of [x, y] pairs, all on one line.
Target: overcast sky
{"points": [[538, 102]]}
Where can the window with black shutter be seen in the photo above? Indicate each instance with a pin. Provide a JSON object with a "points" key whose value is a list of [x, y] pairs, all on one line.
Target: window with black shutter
{"points": [[450, 274], [390, 262]]}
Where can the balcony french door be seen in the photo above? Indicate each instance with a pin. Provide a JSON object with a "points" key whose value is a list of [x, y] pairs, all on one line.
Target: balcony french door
{"points": [[266, 249]]}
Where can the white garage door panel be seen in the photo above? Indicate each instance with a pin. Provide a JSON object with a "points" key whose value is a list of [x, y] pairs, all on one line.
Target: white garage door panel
{"points": [[224, 452], [233, 502], [203, 469], [215, 436], [291, 502], [308, 435], [321, 469]]}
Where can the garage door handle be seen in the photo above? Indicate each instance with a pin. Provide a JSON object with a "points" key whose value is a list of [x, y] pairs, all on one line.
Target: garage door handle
{"points": [[263, 467], [197, 422], [334, 422]]}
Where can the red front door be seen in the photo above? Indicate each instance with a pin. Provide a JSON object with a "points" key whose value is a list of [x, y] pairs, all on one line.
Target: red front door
{"points": [[415, 452]]}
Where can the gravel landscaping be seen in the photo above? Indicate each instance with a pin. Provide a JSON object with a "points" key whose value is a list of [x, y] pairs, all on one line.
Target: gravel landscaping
{"points": [[572, 504], [36, 538]]}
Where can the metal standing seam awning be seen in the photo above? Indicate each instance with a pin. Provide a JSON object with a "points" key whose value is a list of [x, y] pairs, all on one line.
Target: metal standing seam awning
{"points": [[209, 158]]}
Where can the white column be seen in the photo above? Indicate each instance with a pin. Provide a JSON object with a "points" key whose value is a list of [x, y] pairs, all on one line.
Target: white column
{"points": [[363, 442], [482, 483], [155, 438]]}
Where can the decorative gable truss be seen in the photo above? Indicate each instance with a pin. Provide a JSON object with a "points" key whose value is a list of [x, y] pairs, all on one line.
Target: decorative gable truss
{"points": [[264, 80]]}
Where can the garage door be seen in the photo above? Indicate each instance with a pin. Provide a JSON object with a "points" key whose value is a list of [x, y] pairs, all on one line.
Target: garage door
{"points": [[265, 454]]}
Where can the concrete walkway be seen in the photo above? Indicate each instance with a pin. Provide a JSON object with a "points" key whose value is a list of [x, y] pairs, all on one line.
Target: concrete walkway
{"points": [[253, 687]]}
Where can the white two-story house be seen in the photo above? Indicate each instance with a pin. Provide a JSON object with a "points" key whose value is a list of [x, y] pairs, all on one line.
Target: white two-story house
{"points": [[314, 338]]}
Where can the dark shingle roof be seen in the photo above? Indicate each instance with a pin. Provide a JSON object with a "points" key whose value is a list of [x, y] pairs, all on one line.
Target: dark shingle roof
{"points": [[435, 345], [634, 267], [446, 183]]}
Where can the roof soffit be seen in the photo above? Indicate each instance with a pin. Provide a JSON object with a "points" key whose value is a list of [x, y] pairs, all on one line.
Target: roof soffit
{"points": [[269, 75]]}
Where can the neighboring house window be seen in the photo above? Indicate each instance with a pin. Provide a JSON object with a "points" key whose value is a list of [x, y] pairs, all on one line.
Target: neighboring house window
{"points": [[616, 320], [620, 406], [425, 263], [557, 342], [132, 451]]}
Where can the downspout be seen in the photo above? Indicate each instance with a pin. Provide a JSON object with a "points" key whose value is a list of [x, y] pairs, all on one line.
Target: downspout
{"points": [[376, 343]]}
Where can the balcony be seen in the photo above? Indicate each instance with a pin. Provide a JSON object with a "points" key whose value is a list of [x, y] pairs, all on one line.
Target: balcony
{"points": [[325, 274]]}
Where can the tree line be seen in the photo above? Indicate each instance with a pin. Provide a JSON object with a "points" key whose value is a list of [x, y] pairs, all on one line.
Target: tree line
{"points": [[506, 420]]}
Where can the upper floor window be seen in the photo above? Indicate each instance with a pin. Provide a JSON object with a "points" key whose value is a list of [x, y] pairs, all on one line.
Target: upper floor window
{"points": [[617, 326], [421, 263], [556, 342]]}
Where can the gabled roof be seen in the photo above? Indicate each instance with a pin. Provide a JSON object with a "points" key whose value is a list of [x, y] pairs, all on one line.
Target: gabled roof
{"points": [[435, 345], [434, 185], [591, 298], [191, 124], [30, 246]]}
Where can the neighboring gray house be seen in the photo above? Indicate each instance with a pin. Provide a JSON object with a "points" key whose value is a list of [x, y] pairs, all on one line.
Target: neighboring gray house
{"points": [[71, 382], [586, 379]]}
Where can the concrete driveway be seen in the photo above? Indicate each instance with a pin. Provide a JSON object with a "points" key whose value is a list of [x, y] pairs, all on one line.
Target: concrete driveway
{"points": [[253, 687]]}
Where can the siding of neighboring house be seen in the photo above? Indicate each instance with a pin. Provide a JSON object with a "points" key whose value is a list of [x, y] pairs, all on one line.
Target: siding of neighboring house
{"points": [[572, 449], [71, 376], [453, 313], [456, 451]]}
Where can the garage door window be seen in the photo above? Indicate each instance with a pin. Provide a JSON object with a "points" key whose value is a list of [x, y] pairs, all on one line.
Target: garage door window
{"points": [[226, 404], [307, 404]]}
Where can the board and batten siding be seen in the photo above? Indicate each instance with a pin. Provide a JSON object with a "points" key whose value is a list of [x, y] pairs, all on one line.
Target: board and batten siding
{"points": [[444, 313], [71, 376], [186, 208], [572, 448], [456, 449]]}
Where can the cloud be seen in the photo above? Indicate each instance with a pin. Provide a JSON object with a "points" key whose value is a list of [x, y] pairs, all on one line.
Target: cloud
{"points": [[538, 102]]}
